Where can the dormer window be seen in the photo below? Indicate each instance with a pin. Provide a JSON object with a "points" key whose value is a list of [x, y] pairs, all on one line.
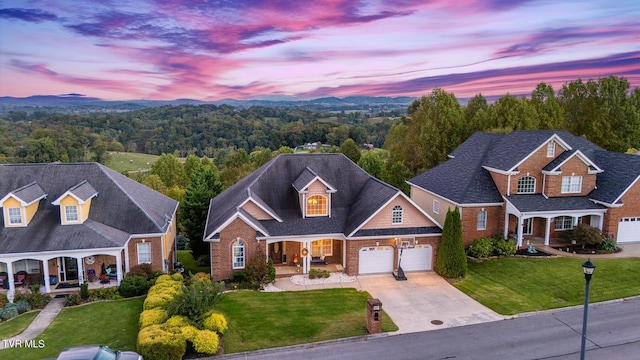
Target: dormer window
{"points": [[15, 216], [527, 185], [396, 215], [317, 205], [551, 149], [71, 213]]}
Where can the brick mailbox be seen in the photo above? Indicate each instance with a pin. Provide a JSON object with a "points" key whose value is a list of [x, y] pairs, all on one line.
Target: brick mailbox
{"points": [[374, 316]]}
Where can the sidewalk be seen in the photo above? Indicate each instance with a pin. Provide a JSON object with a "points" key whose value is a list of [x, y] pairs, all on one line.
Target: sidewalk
{"points": [[39, 324]]}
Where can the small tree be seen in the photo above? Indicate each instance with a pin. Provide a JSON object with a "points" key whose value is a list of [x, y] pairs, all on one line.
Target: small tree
{"points": [[260, 271], [585, 235], [452, 261], [350, 150]]}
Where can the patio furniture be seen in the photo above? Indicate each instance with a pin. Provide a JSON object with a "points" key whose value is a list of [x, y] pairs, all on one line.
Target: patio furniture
{"points": [[4, 282], [20, 279], [111, 271], [319, 260]]}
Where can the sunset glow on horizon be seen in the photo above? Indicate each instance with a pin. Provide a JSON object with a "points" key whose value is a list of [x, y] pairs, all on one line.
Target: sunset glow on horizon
{"points": [[212, 50]]}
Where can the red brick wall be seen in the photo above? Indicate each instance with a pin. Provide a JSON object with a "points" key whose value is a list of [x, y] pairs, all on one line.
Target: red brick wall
{"points": [[631, 208], [156, 252], [221, 252], [573, 167], [495, 223]]}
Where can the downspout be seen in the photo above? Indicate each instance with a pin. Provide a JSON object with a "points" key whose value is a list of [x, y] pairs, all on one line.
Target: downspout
{"points": [[544, 182]]}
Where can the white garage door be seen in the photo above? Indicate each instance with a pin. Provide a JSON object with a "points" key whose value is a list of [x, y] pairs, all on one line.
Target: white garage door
{"points": [[376, 259], [629, 230], [416, 259]]}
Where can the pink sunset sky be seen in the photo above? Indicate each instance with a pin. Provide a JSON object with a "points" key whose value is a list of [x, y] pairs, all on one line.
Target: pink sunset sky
{"points": [[211, 50]]}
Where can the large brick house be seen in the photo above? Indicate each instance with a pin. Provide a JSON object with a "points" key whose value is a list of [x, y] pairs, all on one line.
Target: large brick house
{"points": [[310, 207], [534, 184], [70, 221]]}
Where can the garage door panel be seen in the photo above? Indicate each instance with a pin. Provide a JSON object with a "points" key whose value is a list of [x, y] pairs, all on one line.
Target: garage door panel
{"points": [[629, 230], [417, 259], [376, 259]]}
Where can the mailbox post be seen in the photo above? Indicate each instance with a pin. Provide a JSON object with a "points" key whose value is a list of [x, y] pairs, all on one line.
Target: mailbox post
{"points": [[374, 316]]}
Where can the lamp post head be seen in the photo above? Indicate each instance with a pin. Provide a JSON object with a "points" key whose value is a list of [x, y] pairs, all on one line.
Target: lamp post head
{"points": [[588, 268]]}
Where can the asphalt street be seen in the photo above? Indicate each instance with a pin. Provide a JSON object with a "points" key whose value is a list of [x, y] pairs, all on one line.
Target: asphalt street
{"points": [[613, 333]]}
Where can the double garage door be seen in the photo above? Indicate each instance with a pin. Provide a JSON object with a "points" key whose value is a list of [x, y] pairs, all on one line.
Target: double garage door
{"points": [[628, 230], [379, 259]]}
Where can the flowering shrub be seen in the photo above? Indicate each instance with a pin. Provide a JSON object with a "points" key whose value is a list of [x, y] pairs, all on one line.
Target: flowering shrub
{"points": [[215, 322], [206, 342], [152, 317]]}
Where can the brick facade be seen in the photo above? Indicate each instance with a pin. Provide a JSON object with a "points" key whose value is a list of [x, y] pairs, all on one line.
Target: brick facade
{"points": [[221, 251], [495, 223], [631, 208], [573, 167], [156, 252]]}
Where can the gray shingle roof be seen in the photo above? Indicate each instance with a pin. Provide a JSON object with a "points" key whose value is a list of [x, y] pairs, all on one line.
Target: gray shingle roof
{"points": [[620, 171], [424, 230], [538, 203], [304, 179], [83, 191], [358, 195], [28, 193], [122, 207]]}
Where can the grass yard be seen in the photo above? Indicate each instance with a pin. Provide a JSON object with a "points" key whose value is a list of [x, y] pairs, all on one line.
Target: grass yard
{"points": [[16, 325], [113, 323], [259, 320], [184, 256], [126, 161], [515, 285]]}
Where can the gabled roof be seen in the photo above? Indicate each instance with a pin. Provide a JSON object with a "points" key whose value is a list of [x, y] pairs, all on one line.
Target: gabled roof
{"points": [[357, 195], [82, 192], [555, 165], [462, 178], [27, 194], [124, 208], [306, 178], [621, 172]]}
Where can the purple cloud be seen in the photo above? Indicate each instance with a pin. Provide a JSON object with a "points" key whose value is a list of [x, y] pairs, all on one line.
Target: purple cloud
{"points": [[29, 15]]}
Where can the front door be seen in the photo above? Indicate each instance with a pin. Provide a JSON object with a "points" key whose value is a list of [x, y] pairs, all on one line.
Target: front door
{"points": [[67, 268], [275, 252]]}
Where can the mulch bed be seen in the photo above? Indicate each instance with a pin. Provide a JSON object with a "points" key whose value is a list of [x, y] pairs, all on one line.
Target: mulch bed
{"points": [[577, 249], [525, 252]]}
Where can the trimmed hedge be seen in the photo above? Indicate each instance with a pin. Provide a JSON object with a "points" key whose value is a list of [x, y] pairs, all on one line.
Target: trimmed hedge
{"points": [[152, 317], [206, 342], [179, 321], [215, 322], [160, 342], [161, 300]]}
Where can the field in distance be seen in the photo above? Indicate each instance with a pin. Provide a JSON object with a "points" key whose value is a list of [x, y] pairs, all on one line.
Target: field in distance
{"points": [[127, 161]]}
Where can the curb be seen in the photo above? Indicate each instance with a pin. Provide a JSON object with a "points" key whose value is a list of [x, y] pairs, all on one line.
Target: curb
{"points": [[575, 307]]}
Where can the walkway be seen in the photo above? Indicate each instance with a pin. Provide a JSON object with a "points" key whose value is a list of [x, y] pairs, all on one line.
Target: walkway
{"points": [[39, 324]]}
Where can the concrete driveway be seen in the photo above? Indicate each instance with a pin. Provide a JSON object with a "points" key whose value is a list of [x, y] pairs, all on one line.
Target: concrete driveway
{"points": [[424, 299]]}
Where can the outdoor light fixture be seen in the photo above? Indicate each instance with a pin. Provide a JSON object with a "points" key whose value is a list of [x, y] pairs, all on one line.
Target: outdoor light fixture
{"points": [[588, 268]]}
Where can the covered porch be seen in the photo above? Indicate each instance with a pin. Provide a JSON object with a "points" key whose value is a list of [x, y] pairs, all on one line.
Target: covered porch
{"points": [[57, 270], [298, 256], [539, 218]]}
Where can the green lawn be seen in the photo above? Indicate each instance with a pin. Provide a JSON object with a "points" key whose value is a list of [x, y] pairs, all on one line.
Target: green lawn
{"points": [[259, 320], [184, 256], [126, 161], [515, 285], [113, 323], [16, 325]]}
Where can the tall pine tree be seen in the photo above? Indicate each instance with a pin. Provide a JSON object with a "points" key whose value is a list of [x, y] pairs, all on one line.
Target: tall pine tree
{"points": [[205, 184], [452, 261]]}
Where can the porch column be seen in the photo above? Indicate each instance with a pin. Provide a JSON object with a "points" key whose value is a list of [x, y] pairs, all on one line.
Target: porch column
{"points": [[12, 285], [600, 222], [305, 261], [126, 256], [80, 265], [574, 221], [547, 230], [118, 267], [520, 224], [506, 225], [45, 271]]}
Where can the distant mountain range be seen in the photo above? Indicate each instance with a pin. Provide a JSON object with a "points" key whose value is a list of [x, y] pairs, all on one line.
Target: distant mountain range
{"points": [[80, 102]]}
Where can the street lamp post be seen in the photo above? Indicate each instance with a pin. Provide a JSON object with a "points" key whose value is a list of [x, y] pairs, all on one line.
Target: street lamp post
{"points": [[588, 268]]}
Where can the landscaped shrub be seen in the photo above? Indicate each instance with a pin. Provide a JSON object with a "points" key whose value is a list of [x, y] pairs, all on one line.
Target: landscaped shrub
{"points": [[196, 299], [3, 300], [315, 273], [189, 332], [259, 271], [22, 306], [206, 342], [203, 260], [179, 321], [608, 245], [134, 286], [480, 248], [10, 311], [215, 322], [177, 277], [34, 297], [152, 317], [502, 246], [143, 270], [585, 235], [74, 299], [84, 291], [239, 277], [159, 300], [108, 293], [156, 342], [164, 278], [451, 261]]}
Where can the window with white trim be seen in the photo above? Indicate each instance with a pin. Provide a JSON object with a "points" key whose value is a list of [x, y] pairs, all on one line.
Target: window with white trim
{"points": [[527, 185], [322, 247], [436, 206], [571, 184], [396, 215], [563, 223], [551, 149], [482, 220], [15, 216], [71, 213], [144, 253], [237, 254], [29, 266], [317, 205]]}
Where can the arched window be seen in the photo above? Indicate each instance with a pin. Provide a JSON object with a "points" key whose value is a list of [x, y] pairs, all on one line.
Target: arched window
{"points": [[316, 205], [527, 185], [237, 254], [396, 215]]}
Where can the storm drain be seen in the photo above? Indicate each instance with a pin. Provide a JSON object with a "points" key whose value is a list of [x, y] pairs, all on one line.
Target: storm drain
{"points": [[437, 322]]}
